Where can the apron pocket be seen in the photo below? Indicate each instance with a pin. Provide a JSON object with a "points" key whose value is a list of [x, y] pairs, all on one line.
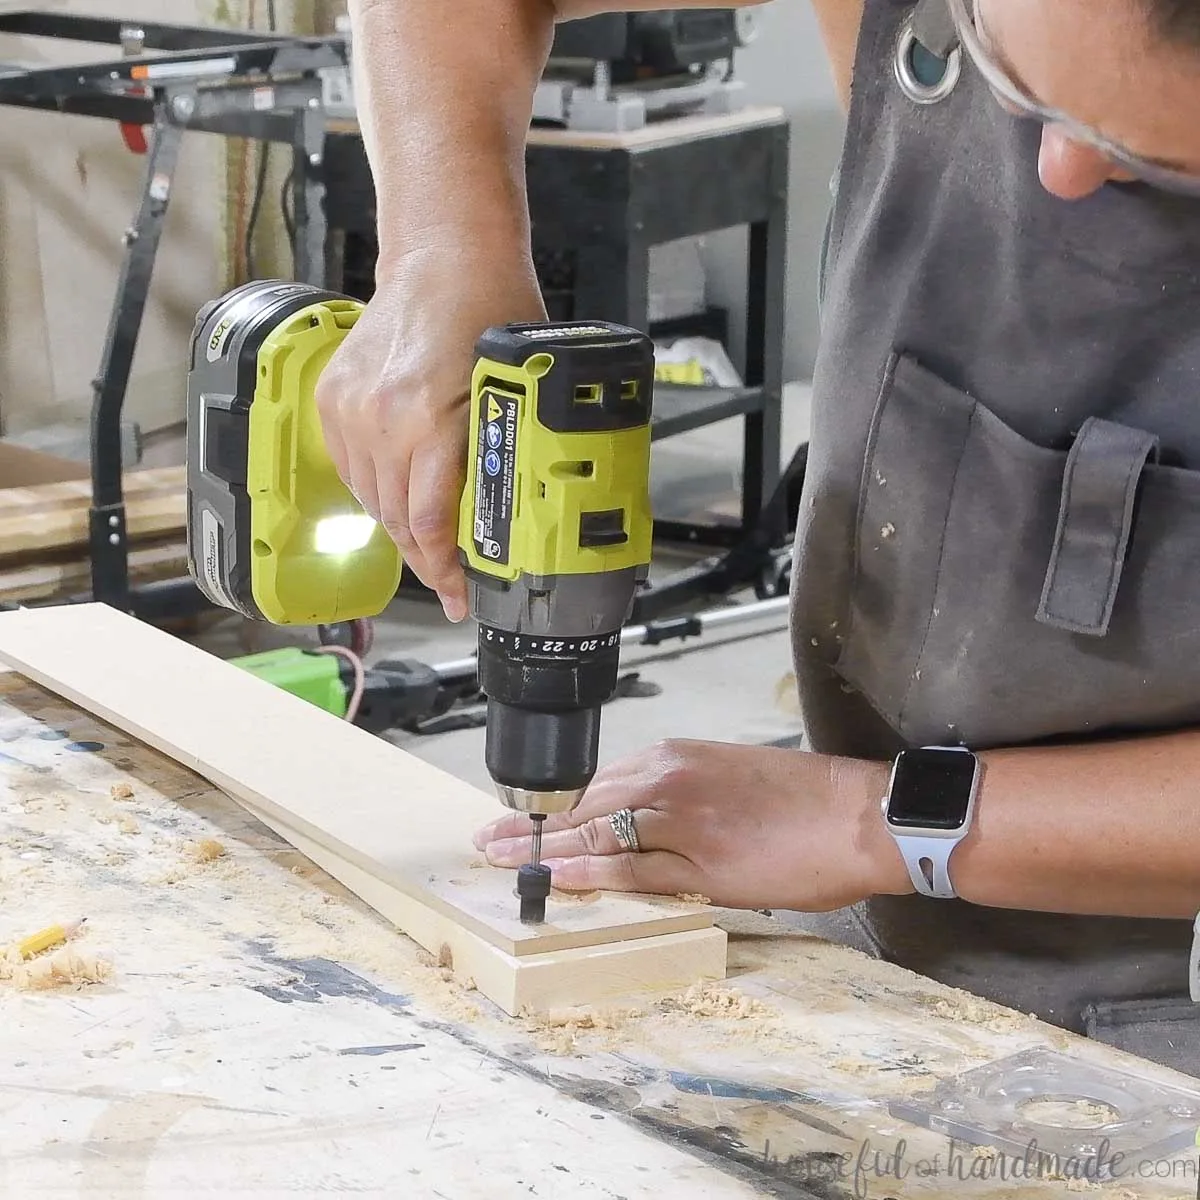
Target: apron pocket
{"points": [[1005, 592]]}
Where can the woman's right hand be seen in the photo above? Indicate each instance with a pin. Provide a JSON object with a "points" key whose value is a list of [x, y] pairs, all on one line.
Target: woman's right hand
{"points": [[394, 399]]}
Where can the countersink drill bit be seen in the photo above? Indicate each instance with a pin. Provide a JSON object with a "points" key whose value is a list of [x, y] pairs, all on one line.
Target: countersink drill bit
{"points": [[533, 879]]}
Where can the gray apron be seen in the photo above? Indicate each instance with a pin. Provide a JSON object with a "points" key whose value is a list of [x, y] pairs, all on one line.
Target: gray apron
{"points": [[999, 536]]}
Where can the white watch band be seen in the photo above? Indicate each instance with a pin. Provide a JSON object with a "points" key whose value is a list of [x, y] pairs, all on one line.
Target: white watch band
{"points": [[928, 863], [1194, 969]]}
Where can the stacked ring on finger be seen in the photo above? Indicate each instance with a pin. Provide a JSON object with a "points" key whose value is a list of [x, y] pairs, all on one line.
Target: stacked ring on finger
{"points": [[624, 829]]}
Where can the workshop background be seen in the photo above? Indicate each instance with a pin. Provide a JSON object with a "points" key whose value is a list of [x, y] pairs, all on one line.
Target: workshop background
{"points": [[68, 185], [202, 877]]}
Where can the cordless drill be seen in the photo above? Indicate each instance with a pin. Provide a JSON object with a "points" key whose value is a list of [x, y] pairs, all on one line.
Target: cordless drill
{"points": [[554, 535], [554, 522]]}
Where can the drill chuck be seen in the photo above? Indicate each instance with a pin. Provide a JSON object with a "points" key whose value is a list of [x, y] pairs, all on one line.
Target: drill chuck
{"points": [[544, 700]]}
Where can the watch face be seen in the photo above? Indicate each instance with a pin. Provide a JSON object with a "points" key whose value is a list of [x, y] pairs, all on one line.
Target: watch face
{"points": [[931, 789]]}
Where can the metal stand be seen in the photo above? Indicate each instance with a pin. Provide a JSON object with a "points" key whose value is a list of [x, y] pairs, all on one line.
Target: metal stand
{"points": [[597, 104], [173, 78], [608, 203]]}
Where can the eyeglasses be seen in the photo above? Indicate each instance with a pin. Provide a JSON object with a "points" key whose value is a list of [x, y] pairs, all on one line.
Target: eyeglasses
{"points": [[1015, 98]]}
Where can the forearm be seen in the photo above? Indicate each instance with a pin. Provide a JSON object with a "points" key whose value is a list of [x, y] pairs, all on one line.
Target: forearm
{"points": [[445, 95], [1104, 828]]}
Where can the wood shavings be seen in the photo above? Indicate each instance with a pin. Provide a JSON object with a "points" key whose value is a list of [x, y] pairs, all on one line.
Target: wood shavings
{"points": [[121, 791], [576, 898], [964, 1008], [853, 1066], [787, 695], [558, 1032], [66, 967], [711, 1000], [128, 825], [204, 851], [985, 1152]]}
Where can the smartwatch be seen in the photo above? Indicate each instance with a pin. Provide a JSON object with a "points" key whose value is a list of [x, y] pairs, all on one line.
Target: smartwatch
{"points": [[928, 809]]}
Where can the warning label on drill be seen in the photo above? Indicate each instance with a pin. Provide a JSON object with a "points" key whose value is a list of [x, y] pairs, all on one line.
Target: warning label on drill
{"points": [[495, 475]]}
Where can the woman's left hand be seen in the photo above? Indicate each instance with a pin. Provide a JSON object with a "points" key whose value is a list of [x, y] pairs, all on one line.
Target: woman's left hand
{"points": [[745, 826]]}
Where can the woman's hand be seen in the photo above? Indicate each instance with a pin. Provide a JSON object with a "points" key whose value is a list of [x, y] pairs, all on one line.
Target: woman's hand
{"points": [[394, 399], [745, 826]]}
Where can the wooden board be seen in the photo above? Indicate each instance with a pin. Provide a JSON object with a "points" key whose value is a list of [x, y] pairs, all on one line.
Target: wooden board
{"points": [[374, 817], [56, 578], [54, 516]]}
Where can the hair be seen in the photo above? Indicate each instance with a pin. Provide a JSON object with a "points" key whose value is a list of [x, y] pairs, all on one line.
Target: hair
{"points": [[1176, 20]]}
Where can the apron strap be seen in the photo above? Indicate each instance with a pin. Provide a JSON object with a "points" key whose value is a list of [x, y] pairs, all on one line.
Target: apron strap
{"points": [[933, 27], [1094, 521]]}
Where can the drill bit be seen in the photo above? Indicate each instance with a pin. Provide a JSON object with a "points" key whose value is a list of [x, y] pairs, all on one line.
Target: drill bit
{"points": [[533, 879], [535, 858]]}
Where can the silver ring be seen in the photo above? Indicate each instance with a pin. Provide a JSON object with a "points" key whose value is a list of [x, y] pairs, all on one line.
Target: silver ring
{"points": [[906, 77], [623, 826]]}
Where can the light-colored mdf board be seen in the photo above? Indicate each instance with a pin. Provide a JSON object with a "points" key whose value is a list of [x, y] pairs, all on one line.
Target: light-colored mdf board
{"points": [[58, 578], [54, 516], [529, 983], [375, 809], [656, 133]]}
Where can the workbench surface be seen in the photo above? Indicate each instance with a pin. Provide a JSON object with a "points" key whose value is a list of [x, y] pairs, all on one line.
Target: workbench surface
{"points": [[257, 1031]]}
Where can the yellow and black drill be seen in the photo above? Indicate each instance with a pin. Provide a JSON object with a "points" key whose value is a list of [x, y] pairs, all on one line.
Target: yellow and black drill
{"points": [[554, 524]]}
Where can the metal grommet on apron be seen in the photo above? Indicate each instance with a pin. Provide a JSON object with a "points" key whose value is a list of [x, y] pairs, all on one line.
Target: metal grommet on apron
{"points": [[928, 59]]}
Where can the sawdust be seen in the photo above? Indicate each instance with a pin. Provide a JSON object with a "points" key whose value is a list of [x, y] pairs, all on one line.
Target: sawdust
{"points": [[692, 898], [732, 1017], [985, 1152], [576, 898], [121, 791], [65, 967], [963, 1008], [306, 924], [558, 1032], [712, 1000], [204, 851], [125, 823], [853, 1066], [787, 695]]}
